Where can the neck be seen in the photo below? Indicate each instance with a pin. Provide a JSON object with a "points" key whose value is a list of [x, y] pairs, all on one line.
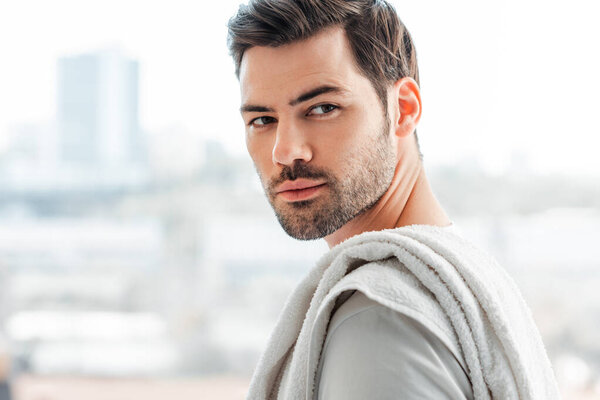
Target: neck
{"points": [[409, 200]]}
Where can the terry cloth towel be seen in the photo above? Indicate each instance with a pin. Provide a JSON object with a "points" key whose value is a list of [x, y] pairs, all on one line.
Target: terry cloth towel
{"points": [[418, 270]]}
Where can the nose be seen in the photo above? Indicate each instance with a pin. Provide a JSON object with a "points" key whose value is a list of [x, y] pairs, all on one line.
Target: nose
{"points": [[290, 144]]}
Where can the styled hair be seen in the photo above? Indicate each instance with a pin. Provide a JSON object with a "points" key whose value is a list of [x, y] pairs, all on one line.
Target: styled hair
{"points": [[382, 46]]}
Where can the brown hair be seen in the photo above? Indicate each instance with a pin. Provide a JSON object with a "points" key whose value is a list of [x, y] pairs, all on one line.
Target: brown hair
{"points": [[381, 44]]}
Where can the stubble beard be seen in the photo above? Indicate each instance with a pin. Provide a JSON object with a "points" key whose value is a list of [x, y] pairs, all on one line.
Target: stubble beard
{"points": [[368, 176]]}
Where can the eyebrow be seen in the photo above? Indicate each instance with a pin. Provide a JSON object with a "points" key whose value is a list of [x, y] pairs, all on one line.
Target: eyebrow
{"points": [[254, 108], [300, 99], [314, 93]]}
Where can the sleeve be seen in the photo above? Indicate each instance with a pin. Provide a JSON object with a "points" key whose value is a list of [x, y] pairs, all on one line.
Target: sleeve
{"points": [[381, 354]]}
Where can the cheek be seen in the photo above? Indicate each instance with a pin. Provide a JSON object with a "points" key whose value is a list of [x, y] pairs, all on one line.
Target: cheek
{"points": [[261, 153], [341, 140]]}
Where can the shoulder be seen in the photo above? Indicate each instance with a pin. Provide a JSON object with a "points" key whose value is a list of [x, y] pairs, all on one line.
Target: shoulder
{"points": [[372, 351]]}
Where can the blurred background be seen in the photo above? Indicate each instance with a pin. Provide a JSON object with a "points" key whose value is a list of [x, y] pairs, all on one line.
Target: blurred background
{"points": [[138, 255]]}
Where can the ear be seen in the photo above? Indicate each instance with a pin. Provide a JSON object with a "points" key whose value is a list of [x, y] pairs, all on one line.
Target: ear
{"points": [[406, 101]]}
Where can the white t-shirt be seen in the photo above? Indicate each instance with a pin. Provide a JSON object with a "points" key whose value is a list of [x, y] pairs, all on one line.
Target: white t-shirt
{"points": [[374, 352]]}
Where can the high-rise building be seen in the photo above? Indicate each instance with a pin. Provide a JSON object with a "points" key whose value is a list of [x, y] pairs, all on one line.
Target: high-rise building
{"points": [[98, 121]]}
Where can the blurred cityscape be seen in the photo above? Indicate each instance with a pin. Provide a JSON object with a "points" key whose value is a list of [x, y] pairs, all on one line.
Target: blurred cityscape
{"points": [[126, 253]]}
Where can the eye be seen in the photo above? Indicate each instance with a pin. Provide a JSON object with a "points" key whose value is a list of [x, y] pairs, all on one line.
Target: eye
{"points": [[322, 109], [262, 121]]}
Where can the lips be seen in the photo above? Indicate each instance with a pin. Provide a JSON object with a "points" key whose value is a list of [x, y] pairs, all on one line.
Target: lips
{"points": [[299, 189], [298, 184]]}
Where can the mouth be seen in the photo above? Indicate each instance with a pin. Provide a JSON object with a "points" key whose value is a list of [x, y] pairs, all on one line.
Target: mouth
{"points": [[300, 189]]}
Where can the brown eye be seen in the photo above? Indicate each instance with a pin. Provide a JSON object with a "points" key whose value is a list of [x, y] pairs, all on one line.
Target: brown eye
{"points": [[260, 121], [322, 109]]}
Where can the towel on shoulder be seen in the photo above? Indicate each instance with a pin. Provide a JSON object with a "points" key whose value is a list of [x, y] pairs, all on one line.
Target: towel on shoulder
{"points": [[419, 270]]}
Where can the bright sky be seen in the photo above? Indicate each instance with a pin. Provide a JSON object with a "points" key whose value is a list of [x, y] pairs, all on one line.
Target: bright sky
{"points": [[499, 79]]}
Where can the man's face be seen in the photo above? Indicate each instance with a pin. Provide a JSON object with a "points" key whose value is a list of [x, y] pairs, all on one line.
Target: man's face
{"points": [[316, 132]]}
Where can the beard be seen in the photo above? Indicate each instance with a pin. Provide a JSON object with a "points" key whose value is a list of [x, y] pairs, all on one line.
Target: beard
{"points": [[368, 174]]}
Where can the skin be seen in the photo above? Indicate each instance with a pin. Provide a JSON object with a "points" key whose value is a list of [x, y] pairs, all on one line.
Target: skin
{"points": [[324, 130]]}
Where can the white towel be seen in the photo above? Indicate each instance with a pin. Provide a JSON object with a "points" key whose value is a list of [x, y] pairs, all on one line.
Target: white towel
{"points": [[468, 298]]}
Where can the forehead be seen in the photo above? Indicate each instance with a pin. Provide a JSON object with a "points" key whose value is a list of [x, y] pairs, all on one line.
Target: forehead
{"points": [[271, 72]]}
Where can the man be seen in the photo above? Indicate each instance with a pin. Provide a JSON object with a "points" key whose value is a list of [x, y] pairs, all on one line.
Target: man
{"points": [[330, 100]]}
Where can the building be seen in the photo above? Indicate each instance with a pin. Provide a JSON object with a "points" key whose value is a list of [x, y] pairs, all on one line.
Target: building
{"points": [[98, 120]]}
